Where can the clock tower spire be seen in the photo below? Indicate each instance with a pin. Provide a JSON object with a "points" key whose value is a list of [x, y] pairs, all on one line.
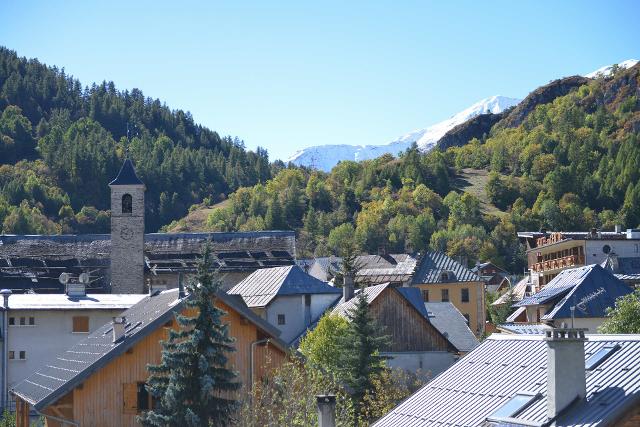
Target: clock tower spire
{"points": [[127, 231]]}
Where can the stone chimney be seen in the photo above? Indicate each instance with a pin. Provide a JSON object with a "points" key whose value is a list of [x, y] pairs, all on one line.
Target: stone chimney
{"points": [[326, 410], [566, 377], [118, 328], [347, 287]]}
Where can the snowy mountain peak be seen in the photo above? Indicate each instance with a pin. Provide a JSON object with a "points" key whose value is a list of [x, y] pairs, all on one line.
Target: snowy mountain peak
{"points": [[325, 157], [606, 71]]}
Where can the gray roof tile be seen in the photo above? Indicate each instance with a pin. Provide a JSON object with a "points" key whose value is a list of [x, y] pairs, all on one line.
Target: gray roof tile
{"points": [[452, 324], [433, 264]]}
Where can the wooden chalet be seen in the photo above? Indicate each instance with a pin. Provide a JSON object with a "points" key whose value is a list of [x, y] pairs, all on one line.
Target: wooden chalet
{"points": [[100, 381]]}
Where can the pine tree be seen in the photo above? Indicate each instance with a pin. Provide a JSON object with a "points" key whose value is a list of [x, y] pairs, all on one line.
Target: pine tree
{"points": [[360, 347], [192, 385]]}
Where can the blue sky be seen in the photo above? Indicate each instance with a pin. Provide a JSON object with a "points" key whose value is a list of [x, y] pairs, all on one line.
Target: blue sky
{"points": [[286, 75]]}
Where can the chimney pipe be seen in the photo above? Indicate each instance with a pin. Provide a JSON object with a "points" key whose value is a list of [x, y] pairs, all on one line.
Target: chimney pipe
{"points": [[347, 287], [6, 293], [566, 377], [180, 286], [326, 410], [118, 328]]}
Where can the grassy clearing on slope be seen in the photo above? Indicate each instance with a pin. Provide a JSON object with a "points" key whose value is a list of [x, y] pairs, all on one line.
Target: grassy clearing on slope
{"points": [[195, 220], [474, 181]]}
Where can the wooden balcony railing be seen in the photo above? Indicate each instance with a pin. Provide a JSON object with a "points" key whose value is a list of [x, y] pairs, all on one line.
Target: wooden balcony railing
{"points": [[559, 263]]}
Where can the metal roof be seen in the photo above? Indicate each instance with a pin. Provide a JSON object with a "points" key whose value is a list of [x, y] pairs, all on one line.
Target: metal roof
{"points": [[127, 175], [524, 328], [261, 286], [503, 365], [558, 286], [433, 264], [65, 302], [385, 268], [414, 296], [519, 291], [69, 369], [452, 324], [344, 308]]}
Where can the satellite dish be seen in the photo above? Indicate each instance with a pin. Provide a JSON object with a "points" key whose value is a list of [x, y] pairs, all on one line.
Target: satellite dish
{"points": [[84, 278], [64, 278]]}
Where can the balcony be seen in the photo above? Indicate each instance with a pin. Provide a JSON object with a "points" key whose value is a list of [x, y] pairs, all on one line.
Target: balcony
{"points": [[558, 263]]}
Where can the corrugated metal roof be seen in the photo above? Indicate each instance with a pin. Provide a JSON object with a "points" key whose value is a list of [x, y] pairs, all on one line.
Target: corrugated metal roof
{"points": [[503, 365], [432, 265], [559, 285], [524, 328], [452, 324], [61, 374], [64, 302], [261, 286], [344, 308]]}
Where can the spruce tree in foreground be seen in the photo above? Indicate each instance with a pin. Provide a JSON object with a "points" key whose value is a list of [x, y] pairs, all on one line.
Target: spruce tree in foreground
{"points": [[192, 385], [360, 359]]}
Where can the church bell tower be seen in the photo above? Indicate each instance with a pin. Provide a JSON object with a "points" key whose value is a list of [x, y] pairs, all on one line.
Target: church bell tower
{"points": [[127, 231]]}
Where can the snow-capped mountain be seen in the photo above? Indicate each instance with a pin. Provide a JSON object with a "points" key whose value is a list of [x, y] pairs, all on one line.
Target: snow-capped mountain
{"points": [[325, 157], [606, 71]]}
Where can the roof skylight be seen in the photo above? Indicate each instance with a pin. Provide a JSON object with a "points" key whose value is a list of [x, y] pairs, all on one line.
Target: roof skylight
{"points": [[516, 404], [600, 356]]}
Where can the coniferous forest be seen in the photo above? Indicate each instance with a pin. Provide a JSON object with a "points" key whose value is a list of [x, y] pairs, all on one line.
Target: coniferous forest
{"points": [[571, 164]]}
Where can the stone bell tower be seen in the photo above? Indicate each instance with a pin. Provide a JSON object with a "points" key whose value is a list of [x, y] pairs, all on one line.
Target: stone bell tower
{"points": [[127, 231]]}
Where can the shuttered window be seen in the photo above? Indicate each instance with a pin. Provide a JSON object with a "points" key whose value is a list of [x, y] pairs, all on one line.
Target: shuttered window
{"points": [[80, 323]]}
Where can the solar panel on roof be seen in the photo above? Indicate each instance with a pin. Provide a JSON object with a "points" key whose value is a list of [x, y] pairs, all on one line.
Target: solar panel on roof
{"points": [[281, 254]]}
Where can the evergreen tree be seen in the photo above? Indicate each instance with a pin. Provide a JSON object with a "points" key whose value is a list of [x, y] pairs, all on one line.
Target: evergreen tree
{"points": [[360, 347], [192, 385]]}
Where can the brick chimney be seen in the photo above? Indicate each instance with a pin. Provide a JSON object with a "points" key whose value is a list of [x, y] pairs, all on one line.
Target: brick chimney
{"points": [[118, 328], [566, 377], [347, 287]]}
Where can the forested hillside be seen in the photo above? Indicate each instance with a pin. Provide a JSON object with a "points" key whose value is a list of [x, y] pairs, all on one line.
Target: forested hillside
{"points": [[571, 164], [61, 143]]}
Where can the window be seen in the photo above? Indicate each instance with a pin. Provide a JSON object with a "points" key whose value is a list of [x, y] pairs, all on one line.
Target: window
{"points": [[281, 320], [81, 324], [32, 321], [515, 405], [606, 249], [445, 295], [143, 398], [23, 321], [466, 316], [444, 276], [127, 203], [307, 300], [425, 295], [600, 356], [23, 355], [464, 296], [136, 398], [12, 321], [12, 355]]}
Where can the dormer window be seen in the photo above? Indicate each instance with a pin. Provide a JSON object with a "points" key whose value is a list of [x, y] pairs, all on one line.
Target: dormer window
{"points": [[444, 276], [127, 204]]}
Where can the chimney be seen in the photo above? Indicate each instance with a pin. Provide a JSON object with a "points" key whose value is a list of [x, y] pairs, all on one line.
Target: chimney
{"points": [[118, 328], [382, 250], [6, 293], [180, 286], [326, 410], [347, 286], [566, 377], [618, 228]]}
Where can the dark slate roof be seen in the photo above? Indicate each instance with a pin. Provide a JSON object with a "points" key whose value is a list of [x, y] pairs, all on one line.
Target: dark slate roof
{"points": [[433, 264], [36, 261], [127, 175], [591, 288], [69, 369], [472, 389], [414, 296], [524, 328], [591, 297], [385, 268], [452, 324], [262, 286]]}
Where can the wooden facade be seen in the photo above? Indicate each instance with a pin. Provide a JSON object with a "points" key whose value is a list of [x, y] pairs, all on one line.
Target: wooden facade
{"points": [[104, 399], [409, 330]]}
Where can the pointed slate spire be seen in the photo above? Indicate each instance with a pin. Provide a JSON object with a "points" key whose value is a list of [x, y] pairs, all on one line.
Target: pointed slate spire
{"points": [[127, 175]]}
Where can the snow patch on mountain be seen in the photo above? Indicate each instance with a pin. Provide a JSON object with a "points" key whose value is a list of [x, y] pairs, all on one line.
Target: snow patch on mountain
{"points": [[606, 71], [325, 157]]}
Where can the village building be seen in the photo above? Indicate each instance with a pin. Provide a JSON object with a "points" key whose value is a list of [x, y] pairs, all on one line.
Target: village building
{"points": [[100, 380], [495, 278], [577, 297], [287, 297], [441, 279], [129, 261], [626, 269], [548, 253], [322, 268], [416, 344], [452, 324], [561, 378], [39, 325]]}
